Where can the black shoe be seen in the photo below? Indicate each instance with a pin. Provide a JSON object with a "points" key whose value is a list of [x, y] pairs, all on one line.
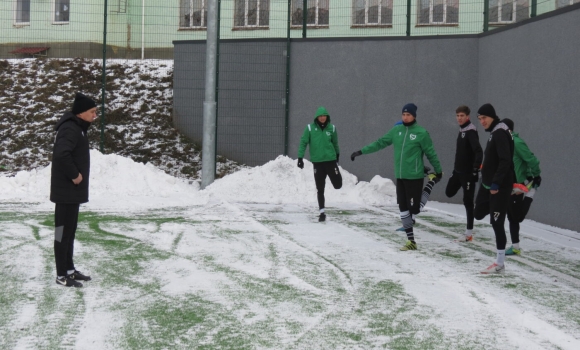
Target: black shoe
{"points": [[68, 282], [322, 217], [78, 276]]}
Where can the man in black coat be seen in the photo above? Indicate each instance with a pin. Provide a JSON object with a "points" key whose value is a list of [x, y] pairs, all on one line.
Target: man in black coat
{"points": [[497, 178], [468, 157], [69, 184]]}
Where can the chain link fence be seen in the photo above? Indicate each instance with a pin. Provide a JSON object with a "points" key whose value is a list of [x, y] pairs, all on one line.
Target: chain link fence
{"points": [[253, 57]]}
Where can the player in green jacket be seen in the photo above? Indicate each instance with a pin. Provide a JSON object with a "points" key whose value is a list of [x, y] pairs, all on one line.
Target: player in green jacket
{"points": [[324, 153], [527, 171], [411, 142]]}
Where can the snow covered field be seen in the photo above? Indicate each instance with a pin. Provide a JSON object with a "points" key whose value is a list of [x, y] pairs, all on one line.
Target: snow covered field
{"points": [[244, 264]]}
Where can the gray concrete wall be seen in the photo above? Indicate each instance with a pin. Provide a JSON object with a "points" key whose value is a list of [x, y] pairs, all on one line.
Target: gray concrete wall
{"points": [[251, 109], [365, 84], [531, 75], [529, 71]]}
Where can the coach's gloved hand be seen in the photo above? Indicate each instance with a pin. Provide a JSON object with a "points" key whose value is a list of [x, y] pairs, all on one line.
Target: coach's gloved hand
{"points": [[438, 177], [355, 154], [537, 181], [475, 173], [337, 156], [300, 163]]}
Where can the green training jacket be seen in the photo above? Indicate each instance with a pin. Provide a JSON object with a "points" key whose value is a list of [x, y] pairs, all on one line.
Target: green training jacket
{"points": [[323, 142], [525, 162], [410, 143]]}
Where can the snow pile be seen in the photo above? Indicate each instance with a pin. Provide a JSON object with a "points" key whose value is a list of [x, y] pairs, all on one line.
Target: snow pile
{"points": [[121, 183], [281, 181]]}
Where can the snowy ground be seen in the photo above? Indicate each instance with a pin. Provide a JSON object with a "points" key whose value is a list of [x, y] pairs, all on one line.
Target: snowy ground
{"points": [[244, 264]]}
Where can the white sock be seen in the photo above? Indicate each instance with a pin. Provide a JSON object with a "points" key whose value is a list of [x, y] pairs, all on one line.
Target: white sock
{"points": [[500, 257], [321, 210], [70, 272], [468, 233], [516, 245], [60, 277]]}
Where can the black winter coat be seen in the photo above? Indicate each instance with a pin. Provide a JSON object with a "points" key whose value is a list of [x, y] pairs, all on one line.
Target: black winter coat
{"points": [[70, 156], [498, 164], [468, 154]]}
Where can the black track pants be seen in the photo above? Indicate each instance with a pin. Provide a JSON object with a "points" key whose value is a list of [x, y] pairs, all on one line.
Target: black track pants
{"points": [[465, 181], [496, 205], [520, 204], [65, 226], [321, 170]]}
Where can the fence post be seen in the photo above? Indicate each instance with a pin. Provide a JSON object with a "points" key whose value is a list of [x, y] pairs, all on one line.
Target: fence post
{"points": [[217, 77], [209, 104], [103, 79], [287, 97], [304, 16], [408, 17], [485, 15]]}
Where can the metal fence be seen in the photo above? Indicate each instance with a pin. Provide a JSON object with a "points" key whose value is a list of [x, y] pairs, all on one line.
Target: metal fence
{"points": [[252, 102], [148, 28]]}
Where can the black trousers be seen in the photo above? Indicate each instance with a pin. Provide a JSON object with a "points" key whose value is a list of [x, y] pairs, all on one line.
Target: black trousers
{"points": [[496, 205], [409, 195], [520, 205], [65, 226], [467, 182], [321, 170]]}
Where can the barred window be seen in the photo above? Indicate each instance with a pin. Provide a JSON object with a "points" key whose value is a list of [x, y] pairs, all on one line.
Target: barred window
{"points": [[438, 12], [372, 12], [22, 12], [252, 13], [316, 15], [508, 11], [61, 11], [193, 14], [564, 3]]}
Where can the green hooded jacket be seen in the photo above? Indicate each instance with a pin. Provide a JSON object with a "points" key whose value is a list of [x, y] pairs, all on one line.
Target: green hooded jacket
{"points": [[323, 142], [525, 162], [410, 143]]}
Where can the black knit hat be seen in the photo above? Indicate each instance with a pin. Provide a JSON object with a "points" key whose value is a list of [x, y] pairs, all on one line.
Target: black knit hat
{"points": [[487, 110], [509, 123], [82, 104], [410, 108]]}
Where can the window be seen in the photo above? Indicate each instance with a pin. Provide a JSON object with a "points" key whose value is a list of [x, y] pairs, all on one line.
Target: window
{"points": [[508, 11], [61, 11], [193, 14], [22, 12], [372, 12], [563, 3], [435, 12], [252, 13], [316, 15]]}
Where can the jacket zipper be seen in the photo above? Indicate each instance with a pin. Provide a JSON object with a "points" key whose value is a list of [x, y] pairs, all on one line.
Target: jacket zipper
{"points": [[402, 151]]}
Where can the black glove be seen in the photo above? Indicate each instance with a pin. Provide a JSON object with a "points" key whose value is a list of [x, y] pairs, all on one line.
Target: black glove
{"points": [[426, 170], [537, 181], [337, 156], [300, 163], [438, 177], [355, 154]]}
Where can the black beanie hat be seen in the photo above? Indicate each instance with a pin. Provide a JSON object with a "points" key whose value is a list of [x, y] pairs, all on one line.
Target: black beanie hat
{"points": [[82, 104], [410, 108], [487, 110], [509, 123]]}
